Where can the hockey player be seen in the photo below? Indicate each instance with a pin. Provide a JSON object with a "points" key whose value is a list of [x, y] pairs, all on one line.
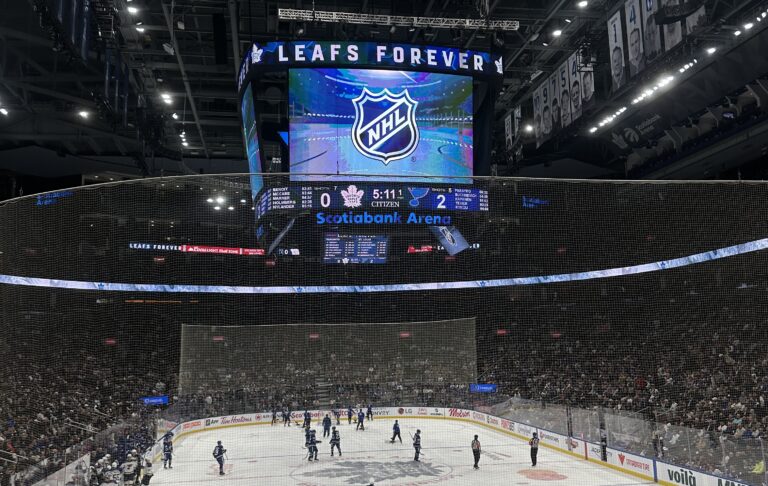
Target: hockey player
{"points": [[312, 446], [327, 425], [130, 469], [274, 416], [350, 413], [360, 420], [167, 454], [534, 443], [369, 412], [337, 414], [218, 454], [396, 433], [417, 445], [287, 417], [476, 451], [307, 419], [147, 477], [335, 441]]}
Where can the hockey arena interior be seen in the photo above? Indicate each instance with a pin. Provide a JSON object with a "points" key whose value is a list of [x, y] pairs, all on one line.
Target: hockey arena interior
{"points": [[358, 243]]}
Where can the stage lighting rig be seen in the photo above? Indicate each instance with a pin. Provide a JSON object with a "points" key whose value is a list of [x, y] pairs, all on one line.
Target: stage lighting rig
{"points": [[396, 20]]}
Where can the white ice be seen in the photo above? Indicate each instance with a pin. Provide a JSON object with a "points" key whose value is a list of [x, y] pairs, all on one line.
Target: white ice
{"points": [[275, 455]]}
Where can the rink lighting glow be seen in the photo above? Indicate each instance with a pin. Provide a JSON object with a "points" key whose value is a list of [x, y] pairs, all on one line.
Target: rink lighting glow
{"points": [[557, 33], [132, 10], [711, 50], [582, 4], [210, 200], [175, 116], [139, 29], [185, 143], [83, 114], [3, 112], [593, 130], [748, 25], [737, 33], [220, 200], [217, 208], [529, 128]]}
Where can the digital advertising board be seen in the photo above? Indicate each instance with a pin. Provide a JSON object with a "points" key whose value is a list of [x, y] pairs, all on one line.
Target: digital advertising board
{"points": [[405, 126]]}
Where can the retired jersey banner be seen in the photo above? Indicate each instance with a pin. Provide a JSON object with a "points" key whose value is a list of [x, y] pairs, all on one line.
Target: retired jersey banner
{"points": [[616, 51], [673, 32], [634, 23], [651, 34]]}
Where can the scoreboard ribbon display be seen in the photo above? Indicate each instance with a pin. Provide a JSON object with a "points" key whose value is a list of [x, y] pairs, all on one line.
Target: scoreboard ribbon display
{"points": [[364, 197]]}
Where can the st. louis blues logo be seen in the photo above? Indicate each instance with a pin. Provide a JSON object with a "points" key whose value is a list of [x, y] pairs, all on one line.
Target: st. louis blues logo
{"points": [[385, 125]]}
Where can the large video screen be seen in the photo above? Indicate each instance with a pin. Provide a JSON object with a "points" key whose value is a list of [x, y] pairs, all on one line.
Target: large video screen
{"points": [[355, 248], [252, 143], [397, 124]]}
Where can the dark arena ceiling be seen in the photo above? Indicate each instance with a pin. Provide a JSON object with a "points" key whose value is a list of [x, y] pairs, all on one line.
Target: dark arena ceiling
{"points": [[154, 69]]}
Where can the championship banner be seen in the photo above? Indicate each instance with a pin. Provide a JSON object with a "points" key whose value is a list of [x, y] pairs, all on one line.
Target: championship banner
{"points": [[517, 119], [508, 133], [587, 85], [673, 32], [537, 127], [634, 37], [616, 50], [651, 34], [576, 91], [554, 104], [564, 92]]}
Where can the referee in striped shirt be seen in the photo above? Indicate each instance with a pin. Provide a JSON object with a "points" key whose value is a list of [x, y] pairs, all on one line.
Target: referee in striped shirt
{"points": [[476, 451], [534, 443]]}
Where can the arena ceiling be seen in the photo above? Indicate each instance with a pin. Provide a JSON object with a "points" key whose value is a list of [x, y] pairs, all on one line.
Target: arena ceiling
{"points": [[176, 49]]}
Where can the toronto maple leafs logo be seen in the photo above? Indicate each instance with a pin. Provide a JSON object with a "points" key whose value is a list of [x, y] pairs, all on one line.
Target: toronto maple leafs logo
{"points": [[499, 66], [362, 471], [385, 125], [353, 197], [256, 53]]}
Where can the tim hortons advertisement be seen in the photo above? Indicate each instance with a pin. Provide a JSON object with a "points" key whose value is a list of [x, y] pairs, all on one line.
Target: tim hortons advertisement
{"points": [[632, 462]]}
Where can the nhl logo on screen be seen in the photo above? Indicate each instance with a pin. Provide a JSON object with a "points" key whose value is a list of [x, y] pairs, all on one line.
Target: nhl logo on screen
{"points": [[385, 125]]}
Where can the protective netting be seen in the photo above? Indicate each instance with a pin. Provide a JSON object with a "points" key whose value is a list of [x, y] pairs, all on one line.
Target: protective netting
{"points": [[633, 312], [216, 359]]}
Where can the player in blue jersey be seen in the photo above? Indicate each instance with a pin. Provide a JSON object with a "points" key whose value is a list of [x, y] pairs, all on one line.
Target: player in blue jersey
{"points": [[335, 441], [360, 420], [417, 444], [369, 413], [312, 446], [167, 454], [350, 413], [307, 419], [327, 425], [218, 454], [396, 433]]}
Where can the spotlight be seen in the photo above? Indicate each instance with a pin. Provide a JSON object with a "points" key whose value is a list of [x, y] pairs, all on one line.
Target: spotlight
{"points": [[165, 95], [3, 112], [711, 50], [737, 33], [220, 200], [132, 10], [139, 29], [582, 4], [231, 208], [529, 128], [242, 201], [175, 116], [185, 143], [764, 14], [217, 208], [545, 44], [557, 33], [83, 114], [168, 101], [567, 21], [593, 130], [748, 25], [210, 200]]}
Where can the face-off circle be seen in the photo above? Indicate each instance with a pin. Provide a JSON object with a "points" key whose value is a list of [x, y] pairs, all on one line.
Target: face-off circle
{"points": [[542, 475]]}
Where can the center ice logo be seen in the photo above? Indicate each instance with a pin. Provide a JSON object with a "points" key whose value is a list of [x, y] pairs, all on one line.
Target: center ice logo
{"points": [[385, 125]]}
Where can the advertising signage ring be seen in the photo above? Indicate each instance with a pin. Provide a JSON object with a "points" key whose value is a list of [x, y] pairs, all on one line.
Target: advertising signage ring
{"points": [[307, 53]]}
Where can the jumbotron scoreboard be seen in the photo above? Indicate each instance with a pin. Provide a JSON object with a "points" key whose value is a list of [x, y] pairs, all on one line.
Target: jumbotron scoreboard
{"points": [[380, 141], [340, 197]]}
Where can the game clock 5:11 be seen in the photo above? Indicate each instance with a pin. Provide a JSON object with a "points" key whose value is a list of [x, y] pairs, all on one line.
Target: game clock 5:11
{"points": [[387, 194]]}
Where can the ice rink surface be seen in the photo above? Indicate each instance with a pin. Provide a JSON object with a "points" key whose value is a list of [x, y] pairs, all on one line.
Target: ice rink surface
{"points": [[275, 455]]}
